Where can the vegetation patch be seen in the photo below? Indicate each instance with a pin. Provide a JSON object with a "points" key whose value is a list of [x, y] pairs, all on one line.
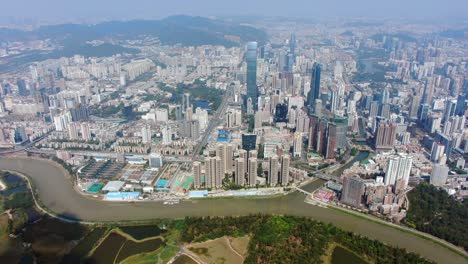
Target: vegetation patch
{"points": [[288, 239], [433, 211]]}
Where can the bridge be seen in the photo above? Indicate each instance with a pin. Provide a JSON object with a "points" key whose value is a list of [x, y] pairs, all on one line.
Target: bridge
{"points": [[458, 176], [302, 191], [25, 146], [328, 177]]}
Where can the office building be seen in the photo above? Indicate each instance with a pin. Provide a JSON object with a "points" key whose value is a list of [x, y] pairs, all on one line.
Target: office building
{"points": [[281, 113], [155, 160], [249, 141], [251, 59], [314, 92]]}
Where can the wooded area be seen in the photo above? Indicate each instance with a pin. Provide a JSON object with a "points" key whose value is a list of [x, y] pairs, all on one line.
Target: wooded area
{"points": [[289, 239], [433, 211]]}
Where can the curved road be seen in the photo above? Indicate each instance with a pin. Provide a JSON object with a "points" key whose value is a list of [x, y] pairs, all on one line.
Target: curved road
{"points": [[57, 193]]}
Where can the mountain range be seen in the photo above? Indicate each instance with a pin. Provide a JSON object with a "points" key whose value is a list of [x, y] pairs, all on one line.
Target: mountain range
{"points": [[184, 30]]}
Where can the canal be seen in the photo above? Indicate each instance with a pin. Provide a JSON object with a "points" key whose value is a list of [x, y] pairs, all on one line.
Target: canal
{"points": [[360, 156], [57, 193]]}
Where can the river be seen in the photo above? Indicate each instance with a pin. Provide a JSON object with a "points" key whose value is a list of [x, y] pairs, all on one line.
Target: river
{"points": [[56, 192]]}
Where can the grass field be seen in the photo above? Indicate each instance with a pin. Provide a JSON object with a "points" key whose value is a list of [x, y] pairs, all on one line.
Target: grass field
{"points": [[240, 244], [216, 251]]}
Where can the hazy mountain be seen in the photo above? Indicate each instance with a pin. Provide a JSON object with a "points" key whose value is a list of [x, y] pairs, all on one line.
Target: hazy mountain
{"points": [[185, 30]]}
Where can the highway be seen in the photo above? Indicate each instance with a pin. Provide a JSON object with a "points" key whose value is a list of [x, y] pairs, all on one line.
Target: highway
{"points": [[214, 122], [23, 147]]}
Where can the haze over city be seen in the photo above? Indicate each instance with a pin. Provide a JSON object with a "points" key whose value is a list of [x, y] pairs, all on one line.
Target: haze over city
{"points": [[196, 132], [30, 11]]}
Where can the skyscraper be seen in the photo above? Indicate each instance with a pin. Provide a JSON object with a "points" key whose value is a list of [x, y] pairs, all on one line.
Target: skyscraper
{"points": [[166, 135], [73, 130], [213, 172], [428, 91], [249, 141], [244, 156], [314, 92], [224, 151], [398, 167], [22, 87], [385, 99], [450, 109], [85, 132], [273, 171], [331, 141], [146, 134], [297, 144], [386, 135], [185, 101], [353, 189], [178, 112], [284, 176], [292, 44], [251, 58], [439, 174], [239, 173], [252, 172], [197, 174]]}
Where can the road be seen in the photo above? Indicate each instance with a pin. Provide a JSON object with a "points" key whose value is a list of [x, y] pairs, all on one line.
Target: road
{"points": [[214, 122], [23, 147]]}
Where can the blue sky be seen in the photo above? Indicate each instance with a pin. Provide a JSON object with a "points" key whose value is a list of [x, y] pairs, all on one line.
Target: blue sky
{"points": [[130, 9]]}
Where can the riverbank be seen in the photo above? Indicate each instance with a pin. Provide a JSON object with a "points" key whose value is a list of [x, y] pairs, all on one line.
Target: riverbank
{"points": [[458, 250], [56, 192]]}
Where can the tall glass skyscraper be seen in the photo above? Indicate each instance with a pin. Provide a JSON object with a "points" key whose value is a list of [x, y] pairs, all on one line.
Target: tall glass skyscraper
{"points": [[314, 92], [251, 58]]}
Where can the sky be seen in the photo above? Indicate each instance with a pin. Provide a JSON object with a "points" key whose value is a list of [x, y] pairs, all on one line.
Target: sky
{"points": [[97, 10]]}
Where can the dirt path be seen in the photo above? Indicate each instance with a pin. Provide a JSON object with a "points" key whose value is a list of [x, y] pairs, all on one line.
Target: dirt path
{"points": [[228, 242]]}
